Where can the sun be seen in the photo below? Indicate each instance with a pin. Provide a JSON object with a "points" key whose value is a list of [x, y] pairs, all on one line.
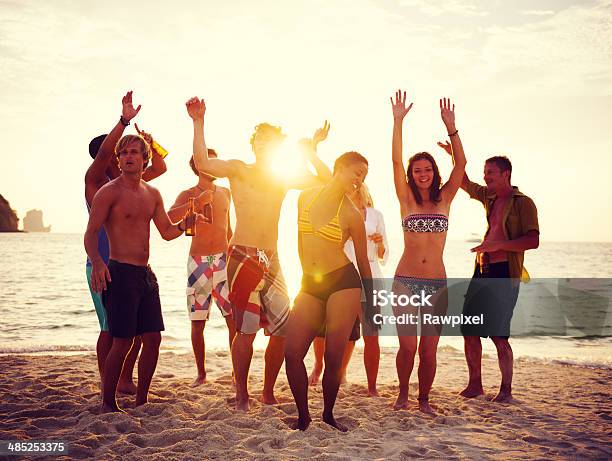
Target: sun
{"points": [[289, 161]]}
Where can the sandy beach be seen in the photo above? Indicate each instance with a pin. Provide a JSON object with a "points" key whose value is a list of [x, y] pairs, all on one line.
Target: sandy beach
{"points": [[559, 411]]}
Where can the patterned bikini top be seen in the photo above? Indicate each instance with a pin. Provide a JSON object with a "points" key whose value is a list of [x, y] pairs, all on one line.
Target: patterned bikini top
{"points": [[425, 222], [330, 231]]}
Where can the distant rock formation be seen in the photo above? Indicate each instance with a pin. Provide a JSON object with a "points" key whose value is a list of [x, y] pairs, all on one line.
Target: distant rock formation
{"points": [[33, 222], [8, 217]]}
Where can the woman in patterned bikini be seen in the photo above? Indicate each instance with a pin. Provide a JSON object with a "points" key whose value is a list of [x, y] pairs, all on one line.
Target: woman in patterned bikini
{"points": [[425, 205]]}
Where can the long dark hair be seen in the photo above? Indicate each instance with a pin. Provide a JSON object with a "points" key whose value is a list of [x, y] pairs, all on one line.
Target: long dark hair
{"points": [[434, 189]]}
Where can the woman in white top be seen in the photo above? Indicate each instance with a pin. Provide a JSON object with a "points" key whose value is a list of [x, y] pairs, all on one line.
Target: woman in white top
{"points": [[378, 253]]}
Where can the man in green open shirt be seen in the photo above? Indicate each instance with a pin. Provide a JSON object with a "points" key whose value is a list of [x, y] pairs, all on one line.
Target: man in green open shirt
{"points": [[512, 228]]}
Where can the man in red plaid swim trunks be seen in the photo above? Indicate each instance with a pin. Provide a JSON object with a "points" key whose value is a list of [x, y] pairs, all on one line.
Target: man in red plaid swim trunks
{"points": [[257, 289]]}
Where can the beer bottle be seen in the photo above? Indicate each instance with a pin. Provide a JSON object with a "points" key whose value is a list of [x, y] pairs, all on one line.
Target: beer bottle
{"points": [[190, 218], [159, 149], [484, 261]]}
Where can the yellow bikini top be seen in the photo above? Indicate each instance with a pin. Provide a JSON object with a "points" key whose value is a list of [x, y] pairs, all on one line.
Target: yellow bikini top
{"points": [[330, 231]]}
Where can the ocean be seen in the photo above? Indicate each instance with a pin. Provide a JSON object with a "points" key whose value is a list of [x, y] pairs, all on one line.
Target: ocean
{"points": [[46, 308]]}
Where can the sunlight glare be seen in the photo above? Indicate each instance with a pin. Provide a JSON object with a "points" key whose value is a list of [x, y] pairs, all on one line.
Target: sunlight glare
{"points": [[289, 160]]}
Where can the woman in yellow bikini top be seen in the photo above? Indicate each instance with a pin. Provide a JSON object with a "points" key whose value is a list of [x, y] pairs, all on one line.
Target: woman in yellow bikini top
{"points": [[330, 298], [330, 231]]}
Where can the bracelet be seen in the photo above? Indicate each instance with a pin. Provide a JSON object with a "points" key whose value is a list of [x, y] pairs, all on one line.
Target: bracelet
{"points": [[453, 134], [179, 226], [123, 121]]}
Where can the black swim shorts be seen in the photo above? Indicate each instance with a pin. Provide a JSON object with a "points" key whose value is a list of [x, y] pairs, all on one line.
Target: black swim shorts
{"points": [[131, 301], [494, 295]]}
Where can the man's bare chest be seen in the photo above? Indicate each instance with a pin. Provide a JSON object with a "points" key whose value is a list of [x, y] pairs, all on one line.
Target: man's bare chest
{"points": [[133, 209]]}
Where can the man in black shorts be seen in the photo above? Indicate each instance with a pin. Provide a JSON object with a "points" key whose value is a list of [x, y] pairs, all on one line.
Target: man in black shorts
{"points": [[493, 291], [126, 206]]}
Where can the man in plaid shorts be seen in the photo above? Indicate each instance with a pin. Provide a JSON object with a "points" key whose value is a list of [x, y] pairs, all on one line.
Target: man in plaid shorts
{"points": [[257, 289], [206, 264]]}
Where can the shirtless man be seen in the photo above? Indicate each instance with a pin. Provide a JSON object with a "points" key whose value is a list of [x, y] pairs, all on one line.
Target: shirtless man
{"points": [[257, 289], [126, 206], [103, 169], [206, 264], [512, 229]]}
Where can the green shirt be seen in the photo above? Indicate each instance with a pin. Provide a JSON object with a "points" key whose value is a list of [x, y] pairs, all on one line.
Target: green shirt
{"points": [[520, 216]]}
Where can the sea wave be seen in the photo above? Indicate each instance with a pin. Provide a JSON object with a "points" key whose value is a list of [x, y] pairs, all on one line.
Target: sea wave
{"points": [[47, 348], [573, 362]]}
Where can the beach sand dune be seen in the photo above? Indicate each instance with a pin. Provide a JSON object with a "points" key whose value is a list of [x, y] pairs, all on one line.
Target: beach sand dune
{"points": [[560, 411]]}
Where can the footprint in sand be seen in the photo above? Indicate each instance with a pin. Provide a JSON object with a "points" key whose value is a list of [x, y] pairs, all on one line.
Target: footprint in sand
{"points": [[216, 414], [275, 444], [451, 420], [136, 439], [255, 441], [79, 451]]}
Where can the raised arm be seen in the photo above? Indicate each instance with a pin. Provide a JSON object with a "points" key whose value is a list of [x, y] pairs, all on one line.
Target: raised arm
{"points": [[446, 146], [309, 146], [158, 164], [196, 108], [324, 174], [96, 172], [399, 172], [447, 112], [100, 208]]}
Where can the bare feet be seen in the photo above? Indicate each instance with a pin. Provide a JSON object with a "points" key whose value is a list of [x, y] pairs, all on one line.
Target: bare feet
{"points": [[105, 408], [140, 402], [402, 401], [301, 424], [201, 379], [472, 390], [333, 423], [313, 379], [373, 393], [242, 403], [503, 397], [267, 399], [126, 387], [424, 407]]}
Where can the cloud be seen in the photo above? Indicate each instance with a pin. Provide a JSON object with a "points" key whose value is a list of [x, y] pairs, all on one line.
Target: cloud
{"points": [[438, 8], [569, 52], [538, 12]]}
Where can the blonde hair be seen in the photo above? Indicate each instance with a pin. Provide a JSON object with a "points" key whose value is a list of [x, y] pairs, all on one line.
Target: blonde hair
{"points": [[145, 149], [265, 129], [364, 195]]}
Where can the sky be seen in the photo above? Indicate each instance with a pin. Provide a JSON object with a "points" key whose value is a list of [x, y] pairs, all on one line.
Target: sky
{"points": [[530, 79]]}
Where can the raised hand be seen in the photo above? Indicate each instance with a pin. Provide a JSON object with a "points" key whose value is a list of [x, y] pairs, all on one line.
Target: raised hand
{"points": [[147, 137], [446, 146], [399, 106], [447, 111], [321, 134], [128, 112], [196, 108]]}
